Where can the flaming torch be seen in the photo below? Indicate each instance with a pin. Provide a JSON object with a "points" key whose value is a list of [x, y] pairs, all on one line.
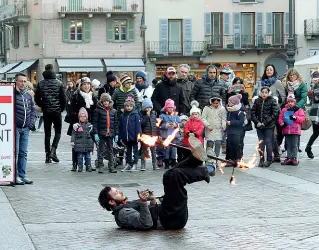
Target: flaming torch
{"points": [[147, 139], [170, 138]]}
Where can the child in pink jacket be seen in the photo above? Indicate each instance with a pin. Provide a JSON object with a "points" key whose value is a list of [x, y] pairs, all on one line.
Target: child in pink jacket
{"points": [[290, 119]]}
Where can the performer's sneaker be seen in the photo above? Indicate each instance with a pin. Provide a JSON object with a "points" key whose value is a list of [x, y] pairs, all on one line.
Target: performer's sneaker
{"points": [[127, 168]]}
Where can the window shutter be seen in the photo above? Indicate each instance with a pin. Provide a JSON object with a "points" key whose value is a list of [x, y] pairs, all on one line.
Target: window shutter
{"points": [[87, 30], [236, 1], [237, 29], [7, 41], [226, 23], [65, 30], [259, 28], [260, 1], [131, 30], [36, 2], [26, 35], [120, 4], [286, 29], [164, 36], [36, 32], [187, 32], [110, 30], [269, 23], [208, 24]]}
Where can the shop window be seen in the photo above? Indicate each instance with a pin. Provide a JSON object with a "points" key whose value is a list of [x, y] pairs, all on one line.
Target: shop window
{"points": [[120, 30], [76, 31], [15, 37], [175, 36]]}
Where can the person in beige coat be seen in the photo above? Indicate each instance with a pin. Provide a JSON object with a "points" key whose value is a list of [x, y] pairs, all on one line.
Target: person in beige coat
{"points": [[214, 118]]}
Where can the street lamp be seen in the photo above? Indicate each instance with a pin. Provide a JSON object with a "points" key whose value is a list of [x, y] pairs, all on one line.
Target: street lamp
{"points": [[291, 50]]}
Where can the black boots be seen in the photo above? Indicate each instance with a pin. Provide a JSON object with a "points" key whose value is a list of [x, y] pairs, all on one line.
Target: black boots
{"points": [[53, 155], [309, 152], [74, 166], [47, 158]]}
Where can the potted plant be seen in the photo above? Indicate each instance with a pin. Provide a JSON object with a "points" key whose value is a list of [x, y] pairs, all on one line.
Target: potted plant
{"points": [[134, 7], [117, 7]]}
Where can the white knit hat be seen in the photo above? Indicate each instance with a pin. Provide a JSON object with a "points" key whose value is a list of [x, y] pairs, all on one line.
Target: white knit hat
{"points": [[195, 108]]}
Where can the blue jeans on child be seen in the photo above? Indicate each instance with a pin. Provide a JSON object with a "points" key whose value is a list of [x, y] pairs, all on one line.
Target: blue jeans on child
{"points": [[131, 147], [87, 157], [22, 139]]}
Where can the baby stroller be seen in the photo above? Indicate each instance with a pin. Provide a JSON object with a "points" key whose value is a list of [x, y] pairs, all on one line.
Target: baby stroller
{"points": [[118, 154]]}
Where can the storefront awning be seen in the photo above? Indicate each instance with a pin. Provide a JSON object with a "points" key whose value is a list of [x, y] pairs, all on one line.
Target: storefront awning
{"points": [[7, 67], [80, 65], [125, 64], [23, 66]]}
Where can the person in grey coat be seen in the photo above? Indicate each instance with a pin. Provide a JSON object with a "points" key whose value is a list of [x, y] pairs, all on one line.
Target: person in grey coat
{"points": [[186, 84], [172, 213], [82, 140]]}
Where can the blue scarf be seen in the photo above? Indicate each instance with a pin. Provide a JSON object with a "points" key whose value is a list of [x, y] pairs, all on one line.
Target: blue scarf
{"points": [[268, 81], [142, 86]]}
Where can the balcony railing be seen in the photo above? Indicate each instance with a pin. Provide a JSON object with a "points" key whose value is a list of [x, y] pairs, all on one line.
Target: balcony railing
{"points": [[311, 27], [247, 42], [174, 48], [98, 6], [14, 11]]}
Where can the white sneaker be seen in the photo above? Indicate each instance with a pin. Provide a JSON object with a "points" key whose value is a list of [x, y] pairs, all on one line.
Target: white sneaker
{"points": [[127, 168], [134, 168]]}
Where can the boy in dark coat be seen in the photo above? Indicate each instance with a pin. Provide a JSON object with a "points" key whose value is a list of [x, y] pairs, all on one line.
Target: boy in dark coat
{"points": [[104, 127], [82, 141], [130, 127], [148, 124]]}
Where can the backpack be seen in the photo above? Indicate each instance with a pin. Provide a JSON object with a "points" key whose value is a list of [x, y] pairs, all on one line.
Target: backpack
{"points": [[245, 120]]}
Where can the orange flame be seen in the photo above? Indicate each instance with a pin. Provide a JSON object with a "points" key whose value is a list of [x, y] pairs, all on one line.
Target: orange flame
{"points": [[252, 162], [147, 139], [170, 138], [158, 122]]}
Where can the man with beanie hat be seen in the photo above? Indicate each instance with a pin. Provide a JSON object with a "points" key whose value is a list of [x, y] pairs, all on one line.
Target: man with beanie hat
{"points": [[109, 86], [168, 89], [207, 87], [142, 87], [50, 97]]}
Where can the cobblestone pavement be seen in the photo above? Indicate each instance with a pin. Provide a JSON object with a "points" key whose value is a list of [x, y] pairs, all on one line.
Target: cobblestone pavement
{"points": [[273, 208]]}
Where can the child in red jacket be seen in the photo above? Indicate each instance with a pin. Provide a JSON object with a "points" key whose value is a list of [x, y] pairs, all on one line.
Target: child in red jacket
{"points": [[194, 125], [290, 119]]}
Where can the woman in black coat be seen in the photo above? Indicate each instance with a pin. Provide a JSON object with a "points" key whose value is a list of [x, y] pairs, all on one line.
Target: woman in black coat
{"points": [[82, 97], [68, 94]]}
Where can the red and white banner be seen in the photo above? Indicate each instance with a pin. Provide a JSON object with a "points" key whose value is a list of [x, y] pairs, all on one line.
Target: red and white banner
{"points": [[7, 144]]}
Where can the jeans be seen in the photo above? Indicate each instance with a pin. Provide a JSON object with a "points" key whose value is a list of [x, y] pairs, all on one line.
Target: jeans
{"points": [[216, 145], [87, 157], [22, 139], [105, 146], [131, 147], [266, 135], [315, 134], [48, 120], [292, 146], [173, 212], [170, 152]]}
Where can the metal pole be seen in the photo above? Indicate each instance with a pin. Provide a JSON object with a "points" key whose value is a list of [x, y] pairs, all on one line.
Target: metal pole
{"points": [[144, 41], [291, 40]]}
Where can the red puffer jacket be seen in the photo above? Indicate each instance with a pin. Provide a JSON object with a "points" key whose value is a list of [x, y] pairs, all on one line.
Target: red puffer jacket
{"points": [[195, 126], [295, 127]]}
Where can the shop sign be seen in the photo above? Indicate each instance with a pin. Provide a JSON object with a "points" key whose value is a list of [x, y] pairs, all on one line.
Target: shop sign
{"points": [[7, 145]]}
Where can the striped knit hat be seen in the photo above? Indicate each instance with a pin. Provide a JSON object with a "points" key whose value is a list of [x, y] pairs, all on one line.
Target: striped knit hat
{"points": [[125, 79]]}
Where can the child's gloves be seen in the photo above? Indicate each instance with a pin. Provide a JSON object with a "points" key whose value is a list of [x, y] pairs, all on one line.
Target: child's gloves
{"points": [[116, 138], [292, 117], [96, 138]]}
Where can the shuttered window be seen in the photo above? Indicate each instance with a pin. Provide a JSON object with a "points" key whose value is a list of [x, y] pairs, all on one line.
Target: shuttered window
{"points": [[120, 30], [76, 30]]}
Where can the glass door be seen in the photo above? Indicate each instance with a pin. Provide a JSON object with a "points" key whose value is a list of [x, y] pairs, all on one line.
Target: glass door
{"points": [[278, 29], [217, 29], [247, 29], [175, 36]]}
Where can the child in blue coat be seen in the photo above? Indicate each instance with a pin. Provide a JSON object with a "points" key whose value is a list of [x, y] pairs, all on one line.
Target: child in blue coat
{"points": [[171, 121], [130, 127], [235, 126]]}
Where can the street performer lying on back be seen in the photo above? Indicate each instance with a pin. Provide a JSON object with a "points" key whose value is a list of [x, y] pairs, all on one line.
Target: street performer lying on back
{"points": [[172, 213]]}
